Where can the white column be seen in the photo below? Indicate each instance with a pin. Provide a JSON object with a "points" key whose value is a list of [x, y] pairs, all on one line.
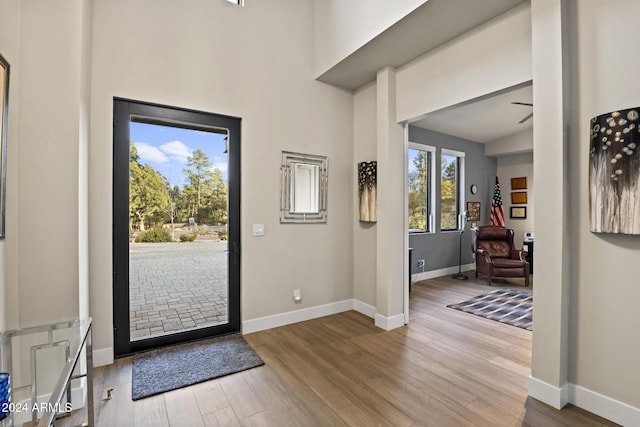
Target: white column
{"points": [[391, 250], [551, 306]]}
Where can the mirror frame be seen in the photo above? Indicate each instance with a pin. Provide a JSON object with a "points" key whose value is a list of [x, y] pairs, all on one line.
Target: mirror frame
{"points": [[289, 160], [4, 116]]}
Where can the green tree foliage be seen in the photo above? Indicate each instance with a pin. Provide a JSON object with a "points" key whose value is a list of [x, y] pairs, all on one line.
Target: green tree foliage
{"points": [[217, 197], [198, 171], [205, 197], [418, 192], [448, 207], [174, 202], [153, 201], [154, 235], [148, 193]]}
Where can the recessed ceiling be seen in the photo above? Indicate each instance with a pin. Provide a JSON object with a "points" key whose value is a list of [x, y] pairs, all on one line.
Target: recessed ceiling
{"points": [[485, 119]]}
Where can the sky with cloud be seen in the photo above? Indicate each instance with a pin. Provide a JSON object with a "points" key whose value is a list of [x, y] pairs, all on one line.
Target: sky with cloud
{"points": [[167, 149]]}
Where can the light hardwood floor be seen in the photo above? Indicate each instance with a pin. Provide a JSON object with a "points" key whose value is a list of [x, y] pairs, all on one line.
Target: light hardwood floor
{"points": [[446, 368]]}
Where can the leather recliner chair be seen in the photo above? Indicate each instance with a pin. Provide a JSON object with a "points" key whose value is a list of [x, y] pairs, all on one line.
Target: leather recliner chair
{"points": [[496, 255]]}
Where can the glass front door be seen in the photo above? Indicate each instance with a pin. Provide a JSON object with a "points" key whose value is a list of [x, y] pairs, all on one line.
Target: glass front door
{"points": [[176, 234]]}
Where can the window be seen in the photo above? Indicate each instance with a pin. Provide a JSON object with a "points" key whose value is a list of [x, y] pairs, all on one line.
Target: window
{"points": [[451, 183], [420, 181]]}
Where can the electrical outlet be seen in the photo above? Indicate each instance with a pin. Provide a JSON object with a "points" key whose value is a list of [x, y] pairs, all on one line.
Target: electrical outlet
{"points": [[297, 295], [258, 229], [420, 263]]}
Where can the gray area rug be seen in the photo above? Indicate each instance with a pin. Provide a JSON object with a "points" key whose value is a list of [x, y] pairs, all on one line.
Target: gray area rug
{"points": [[504, 305], [169, 368]]}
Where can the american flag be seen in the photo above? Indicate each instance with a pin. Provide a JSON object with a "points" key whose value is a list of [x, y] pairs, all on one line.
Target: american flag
{"points": [[497, 211]]}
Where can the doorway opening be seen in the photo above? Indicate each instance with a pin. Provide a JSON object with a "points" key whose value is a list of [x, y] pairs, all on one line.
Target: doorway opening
{"points": [[176, 233]]}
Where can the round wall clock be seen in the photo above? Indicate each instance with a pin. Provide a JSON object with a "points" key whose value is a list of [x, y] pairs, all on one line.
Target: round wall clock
{"points": [[474, 189]]}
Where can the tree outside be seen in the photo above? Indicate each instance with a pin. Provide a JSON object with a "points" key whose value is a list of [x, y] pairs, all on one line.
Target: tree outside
{"points": [[448, 197], [193, 200], [417, 182]]}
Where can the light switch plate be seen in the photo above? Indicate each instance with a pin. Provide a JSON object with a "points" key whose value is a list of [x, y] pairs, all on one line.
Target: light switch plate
{"points": [[258, 229]]}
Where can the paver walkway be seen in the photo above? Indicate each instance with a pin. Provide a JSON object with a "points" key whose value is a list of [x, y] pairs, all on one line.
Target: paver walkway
{"points": [[176, 286]]}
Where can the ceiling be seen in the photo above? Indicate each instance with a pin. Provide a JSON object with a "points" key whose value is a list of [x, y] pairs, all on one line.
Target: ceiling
{"points": [[484, 119], [427, 27]]}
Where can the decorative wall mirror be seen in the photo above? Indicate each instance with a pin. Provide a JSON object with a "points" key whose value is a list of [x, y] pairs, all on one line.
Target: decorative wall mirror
{"points": [[303, 185]]}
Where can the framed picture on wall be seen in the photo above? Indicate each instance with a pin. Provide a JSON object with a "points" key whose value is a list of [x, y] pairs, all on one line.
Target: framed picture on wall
{"points": [[519, 183], [518, 212], [519, 198], [614, 172], [473, 211]]}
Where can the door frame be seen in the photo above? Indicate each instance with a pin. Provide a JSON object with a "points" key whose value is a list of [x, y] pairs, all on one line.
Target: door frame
{"points": [[123, 111]]}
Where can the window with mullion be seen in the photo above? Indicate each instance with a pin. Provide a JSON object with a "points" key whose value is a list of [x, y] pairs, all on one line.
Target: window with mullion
{"points": [[420, 187], [451, 183]]}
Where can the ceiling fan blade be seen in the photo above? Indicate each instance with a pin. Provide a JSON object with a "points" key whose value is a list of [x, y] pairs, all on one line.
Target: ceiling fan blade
{"points": [[526, 118], [523, 103]]}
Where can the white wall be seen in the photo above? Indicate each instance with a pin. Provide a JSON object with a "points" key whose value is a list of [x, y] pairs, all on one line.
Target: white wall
{"points": [[83, 156], [604, 285], [41, 260], [254, 62], [492, 57], [342, 27], [50, 111], [364, 233], [518, 143], [518, 165], [10, 49]]}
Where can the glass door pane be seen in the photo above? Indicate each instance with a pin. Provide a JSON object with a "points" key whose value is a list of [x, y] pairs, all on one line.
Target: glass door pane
{"points": [[178, 216]]}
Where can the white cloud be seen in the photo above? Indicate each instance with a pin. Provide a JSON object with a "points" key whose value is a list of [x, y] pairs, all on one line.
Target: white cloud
{"points": [[218, 163], [149, 153], [178, 150]]}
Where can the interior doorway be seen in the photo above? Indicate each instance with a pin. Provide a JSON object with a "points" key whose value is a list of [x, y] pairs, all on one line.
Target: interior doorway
{"points": [[176, 225]]}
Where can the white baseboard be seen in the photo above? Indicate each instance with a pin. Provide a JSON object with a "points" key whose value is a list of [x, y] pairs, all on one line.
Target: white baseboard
{"points": [[441, 272], [366, 309], [282, 319], [389, 323], [549, 394], [604, 406], [102, 357]]}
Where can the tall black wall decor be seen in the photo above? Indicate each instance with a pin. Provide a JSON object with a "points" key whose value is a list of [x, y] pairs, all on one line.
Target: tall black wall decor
{"points": [[614, 172], [367, 189]]}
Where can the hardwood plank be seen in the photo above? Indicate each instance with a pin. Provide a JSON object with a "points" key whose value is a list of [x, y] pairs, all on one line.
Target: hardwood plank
{"points": [[210, 397], [150, 412], [182, 408], [116, 374], [240, 396], [494, 413], [446, 368], [119, 410], [316, 412], [337, 387], [224, 417], [283, 409]]}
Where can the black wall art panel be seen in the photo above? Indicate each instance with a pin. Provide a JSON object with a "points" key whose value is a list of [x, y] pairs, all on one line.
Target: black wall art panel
{"points": [[614, 172], [367, 191]]}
